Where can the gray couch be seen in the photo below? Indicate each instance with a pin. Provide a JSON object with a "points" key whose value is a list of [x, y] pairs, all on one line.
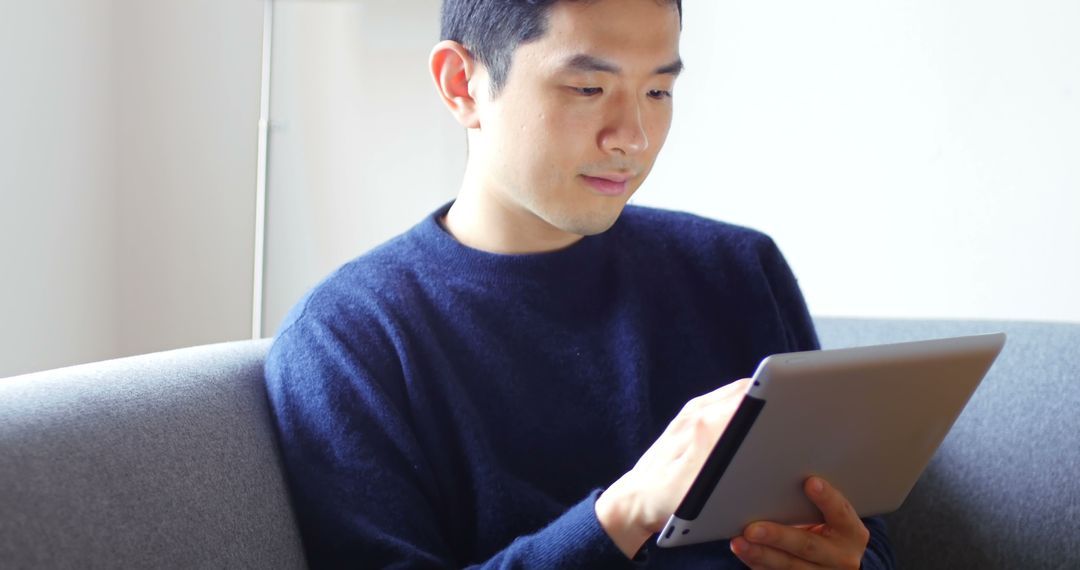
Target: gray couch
{"points": [[168, 461]]}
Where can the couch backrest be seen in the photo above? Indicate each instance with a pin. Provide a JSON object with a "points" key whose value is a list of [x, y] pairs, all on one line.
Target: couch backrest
{"points": [[164, 460], [1003, 491], [168, 460]]}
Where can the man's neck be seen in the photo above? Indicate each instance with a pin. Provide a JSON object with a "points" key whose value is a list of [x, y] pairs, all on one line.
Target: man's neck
{"points": [[480, 221]]}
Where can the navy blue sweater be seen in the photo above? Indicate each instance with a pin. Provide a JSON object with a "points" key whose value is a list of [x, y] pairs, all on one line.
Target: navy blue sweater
{"points": [[440, 407]]}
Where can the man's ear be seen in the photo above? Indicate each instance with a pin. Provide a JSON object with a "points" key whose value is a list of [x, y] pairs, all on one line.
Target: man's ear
{"points": [[453, 68]]}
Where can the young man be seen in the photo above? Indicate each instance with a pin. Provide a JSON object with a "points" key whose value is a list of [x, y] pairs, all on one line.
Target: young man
{"points": [[506, 384]]}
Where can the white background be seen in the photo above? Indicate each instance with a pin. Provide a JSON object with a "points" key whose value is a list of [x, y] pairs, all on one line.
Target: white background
{"points": [[912, 159], [127, 176]]}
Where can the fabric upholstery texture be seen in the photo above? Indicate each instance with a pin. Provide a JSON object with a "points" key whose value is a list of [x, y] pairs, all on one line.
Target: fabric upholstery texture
{"points": [[1003, 491], [168, 461], [157, 461]]}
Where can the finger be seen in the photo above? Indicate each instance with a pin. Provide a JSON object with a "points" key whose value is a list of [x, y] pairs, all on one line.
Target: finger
{"points": [[708, 409], [715, 409], [796, 542], [761, 557], [732, 389], [735, 388], [834, 506], [698, 437]]}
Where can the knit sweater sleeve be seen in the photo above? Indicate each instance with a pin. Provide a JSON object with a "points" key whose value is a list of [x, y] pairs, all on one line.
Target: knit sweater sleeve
{"points": [[799, 329], [363, 493]]}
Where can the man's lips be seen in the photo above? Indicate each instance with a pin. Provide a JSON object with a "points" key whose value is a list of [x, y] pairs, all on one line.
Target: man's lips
{"points": [[608, 184]]}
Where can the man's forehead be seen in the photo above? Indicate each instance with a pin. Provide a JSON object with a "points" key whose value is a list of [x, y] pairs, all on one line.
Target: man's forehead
{"points": [[611, 36]]}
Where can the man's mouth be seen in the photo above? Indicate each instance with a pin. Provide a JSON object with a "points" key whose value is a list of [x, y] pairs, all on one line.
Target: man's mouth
{"points": [[608, 184]]}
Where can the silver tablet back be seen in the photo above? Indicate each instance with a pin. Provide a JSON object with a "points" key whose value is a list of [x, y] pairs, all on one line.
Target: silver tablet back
{"points": [[867, 419]]}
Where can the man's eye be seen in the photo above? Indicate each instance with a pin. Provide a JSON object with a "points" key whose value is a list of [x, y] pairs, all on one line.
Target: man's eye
{"points": [[588, 91], [659, 94]]}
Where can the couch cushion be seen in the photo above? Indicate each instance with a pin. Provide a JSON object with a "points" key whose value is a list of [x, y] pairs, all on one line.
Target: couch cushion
{"points": [[1003, 491], [155, 461]]}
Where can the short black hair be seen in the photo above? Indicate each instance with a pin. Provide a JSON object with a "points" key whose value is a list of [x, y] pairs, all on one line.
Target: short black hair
{"points": [[492, 29]]}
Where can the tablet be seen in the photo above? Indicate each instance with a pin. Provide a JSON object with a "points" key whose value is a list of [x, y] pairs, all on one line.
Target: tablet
{"points": [[866, 419]]}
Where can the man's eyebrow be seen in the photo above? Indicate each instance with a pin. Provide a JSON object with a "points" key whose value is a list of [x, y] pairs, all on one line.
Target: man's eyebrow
{"points": [[588, 63], [585, 62], [673, 68]]}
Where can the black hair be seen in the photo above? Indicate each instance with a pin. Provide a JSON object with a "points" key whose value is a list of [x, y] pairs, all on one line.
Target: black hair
{"points": [[492, 29]]}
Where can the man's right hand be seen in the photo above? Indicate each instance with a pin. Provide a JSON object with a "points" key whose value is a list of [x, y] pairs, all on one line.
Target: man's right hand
{"points": [[637, 505]]}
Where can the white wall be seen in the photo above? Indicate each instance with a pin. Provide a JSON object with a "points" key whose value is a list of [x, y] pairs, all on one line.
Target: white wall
{"points": [[912, 159], [57, 179], [360, 147], [189, 75], [127, 176]]}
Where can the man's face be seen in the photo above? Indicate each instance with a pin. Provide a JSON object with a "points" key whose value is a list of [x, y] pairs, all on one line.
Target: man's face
{"points": [[582, 116]]}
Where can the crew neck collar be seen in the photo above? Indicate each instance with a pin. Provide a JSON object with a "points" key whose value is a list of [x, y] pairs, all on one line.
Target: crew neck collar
{"points": [[580, 259]]}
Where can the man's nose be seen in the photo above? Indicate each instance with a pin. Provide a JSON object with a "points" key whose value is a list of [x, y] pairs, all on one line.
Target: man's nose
{"points": [[624, 132]]}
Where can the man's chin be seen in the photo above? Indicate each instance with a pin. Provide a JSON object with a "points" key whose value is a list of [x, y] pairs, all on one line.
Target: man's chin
{"points": [[592, 224]]}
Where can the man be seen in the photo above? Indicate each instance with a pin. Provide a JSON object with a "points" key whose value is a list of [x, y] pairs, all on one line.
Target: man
{"points": [[506, 384]]}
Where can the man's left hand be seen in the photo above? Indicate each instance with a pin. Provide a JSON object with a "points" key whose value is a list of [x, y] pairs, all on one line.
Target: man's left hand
{"points": [[837, 543]]}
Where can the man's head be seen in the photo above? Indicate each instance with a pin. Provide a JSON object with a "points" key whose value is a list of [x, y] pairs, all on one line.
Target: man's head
{"points": [[567, 104]]}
